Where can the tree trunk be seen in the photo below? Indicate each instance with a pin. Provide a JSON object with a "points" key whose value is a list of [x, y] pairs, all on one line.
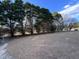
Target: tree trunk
{"points": [[31, 24], [38, 29], [22, 28], [11, 32], [43, 30], [11, 29], [31, 31]]}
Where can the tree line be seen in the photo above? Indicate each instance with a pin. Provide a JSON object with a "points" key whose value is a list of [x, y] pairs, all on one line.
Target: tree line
{"points": [[13, 13]]}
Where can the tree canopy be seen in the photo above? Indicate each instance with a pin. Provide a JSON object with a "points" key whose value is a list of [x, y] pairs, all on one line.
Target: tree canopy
{"points": [[15, 12]]}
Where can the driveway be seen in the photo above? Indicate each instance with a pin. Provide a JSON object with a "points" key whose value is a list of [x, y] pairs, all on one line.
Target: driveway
{"points": [[63, 45]]}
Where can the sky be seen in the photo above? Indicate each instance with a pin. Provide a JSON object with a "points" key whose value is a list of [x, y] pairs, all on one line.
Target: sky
{"points": [[68, 8], [53, 5]]}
